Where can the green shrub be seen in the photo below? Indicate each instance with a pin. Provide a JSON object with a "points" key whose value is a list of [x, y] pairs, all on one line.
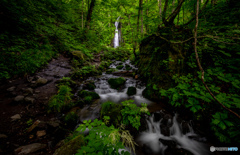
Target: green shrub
{"points": [[112, 110], [132, 114], [62, 100], [71, 118]]}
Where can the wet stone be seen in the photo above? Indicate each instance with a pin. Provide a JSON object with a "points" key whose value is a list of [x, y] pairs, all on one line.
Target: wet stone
{"points": [[3, 136], [29, 100], [19, 98], [16, 117], [11, 89], [29, 149], [41, 133]]}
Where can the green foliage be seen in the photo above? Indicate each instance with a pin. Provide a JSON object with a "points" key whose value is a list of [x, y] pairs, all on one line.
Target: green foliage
{"points": [[29, 122], [66, 81], [132, 114], [101, 139], [62, 100], [84, 72], [113, 111], [71, 118]]}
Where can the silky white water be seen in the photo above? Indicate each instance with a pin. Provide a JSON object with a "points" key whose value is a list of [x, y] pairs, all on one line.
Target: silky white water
{"points": [[116, 36], [151, 138]]}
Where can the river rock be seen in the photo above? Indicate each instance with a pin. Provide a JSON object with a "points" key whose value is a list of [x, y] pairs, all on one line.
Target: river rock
{"points": [[2, 136], [116, 83], [16, 117], [53, 124], [29, 100], [19, 98], [11, 89], [131, 91], [29, 149], [41, 133], [41, 81], [29, 90]]}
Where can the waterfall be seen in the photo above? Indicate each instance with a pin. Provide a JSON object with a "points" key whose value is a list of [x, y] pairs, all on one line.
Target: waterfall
{"points": [[116, 36]]}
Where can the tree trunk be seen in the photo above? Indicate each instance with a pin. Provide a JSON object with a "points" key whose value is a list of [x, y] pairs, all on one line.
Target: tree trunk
{"points": [[89, 15], [135, 44], [142, 22], [82, 12], [173, 2], [146, 26]]}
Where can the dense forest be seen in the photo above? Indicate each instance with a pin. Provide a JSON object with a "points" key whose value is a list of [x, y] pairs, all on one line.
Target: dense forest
{"points": [[119, 76]]}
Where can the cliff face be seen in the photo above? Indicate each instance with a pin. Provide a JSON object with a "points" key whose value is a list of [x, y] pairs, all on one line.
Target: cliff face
{"points": [[160, 58]]}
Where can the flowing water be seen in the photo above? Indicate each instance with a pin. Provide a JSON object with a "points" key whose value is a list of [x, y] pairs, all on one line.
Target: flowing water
{"points": [[163, 132], [116, 36]]}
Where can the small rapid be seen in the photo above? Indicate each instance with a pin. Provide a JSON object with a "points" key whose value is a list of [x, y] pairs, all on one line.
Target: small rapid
{"points": [[163, 132]]}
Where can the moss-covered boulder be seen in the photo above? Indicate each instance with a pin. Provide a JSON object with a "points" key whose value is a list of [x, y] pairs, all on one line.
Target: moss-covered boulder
{"points": [[128, 67], [71, 146], [88, 96], [116, 83], [71, 119], [131, 91], [89, 85], [120, 67]]}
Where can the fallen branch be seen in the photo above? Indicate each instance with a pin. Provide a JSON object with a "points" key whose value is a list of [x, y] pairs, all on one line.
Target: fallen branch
{"points": [[200, 67]]}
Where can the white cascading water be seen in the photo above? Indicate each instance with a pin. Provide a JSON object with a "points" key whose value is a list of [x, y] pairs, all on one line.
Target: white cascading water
{"points": [[116, 37], [150, 138]]}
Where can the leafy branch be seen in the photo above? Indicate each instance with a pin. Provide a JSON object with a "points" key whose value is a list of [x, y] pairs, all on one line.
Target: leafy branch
{"points": [[200, 67]]}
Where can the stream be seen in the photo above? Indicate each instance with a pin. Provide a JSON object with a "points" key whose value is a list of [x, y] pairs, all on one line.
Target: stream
{"points": [[164, 133]]}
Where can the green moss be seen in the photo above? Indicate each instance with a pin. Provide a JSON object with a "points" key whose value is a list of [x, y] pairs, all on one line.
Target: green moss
{"points": [[88, 96], [120, 67], [131, 91], [71, 146], [128, 67], [116, 83], [66, 81]]}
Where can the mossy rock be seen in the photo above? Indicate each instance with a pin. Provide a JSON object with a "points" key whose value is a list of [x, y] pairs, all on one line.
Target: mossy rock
{"points": [[116, 83], [131, 91], [71, 146], [120, 67], [88, 96], [150, 94], [85, 93], [120, 63], [128, 67], [89, 85], [109, 71]]}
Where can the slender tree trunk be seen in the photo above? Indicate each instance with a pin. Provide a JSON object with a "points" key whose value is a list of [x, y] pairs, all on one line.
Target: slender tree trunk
{"points": [[82, 12], [173, 2], [146, 25], [142, 22], [183, 13], [89, 15], [135, 44]]}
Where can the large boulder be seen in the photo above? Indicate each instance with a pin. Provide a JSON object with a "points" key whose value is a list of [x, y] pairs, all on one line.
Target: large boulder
{"points": [[116, 83], [88, 96], [131, 91], [30, 149], [89, 85]]}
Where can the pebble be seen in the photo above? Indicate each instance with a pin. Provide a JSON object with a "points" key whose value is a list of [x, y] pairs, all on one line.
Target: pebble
{"points": [[41, 133], [2, 136], [16, 117], [19, 98], [29, 99], [11, 89]]}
